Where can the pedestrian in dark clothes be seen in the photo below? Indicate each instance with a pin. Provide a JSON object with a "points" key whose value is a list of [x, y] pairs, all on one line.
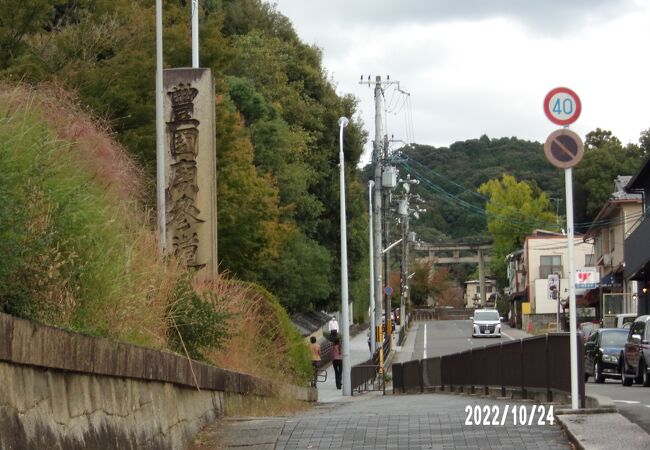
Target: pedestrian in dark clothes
{"points": [[337, 362]]}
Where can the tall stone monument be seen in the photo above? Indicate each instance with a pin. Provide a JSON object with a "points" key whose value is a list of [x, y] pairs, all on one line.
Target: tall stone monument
{"points": [[190, 160]]}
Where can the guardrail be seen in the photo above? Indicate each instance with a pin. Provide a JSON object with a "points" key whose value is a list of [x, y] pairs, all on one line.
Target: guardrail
{"points": [[423, 314], [536, 365], [402, 335]]}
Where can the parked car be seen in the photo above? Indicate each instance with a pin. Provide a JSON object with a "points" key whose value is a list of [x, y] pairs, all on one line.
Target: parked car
{"points": [[486, 322], [635, 358], [602, 351], [618, 320]]}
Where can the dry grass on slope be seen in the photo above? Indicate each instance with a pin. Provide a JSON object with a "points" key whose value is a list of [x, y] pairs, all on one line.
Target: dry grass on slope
{"points": [[91, 137], [90, 258]]}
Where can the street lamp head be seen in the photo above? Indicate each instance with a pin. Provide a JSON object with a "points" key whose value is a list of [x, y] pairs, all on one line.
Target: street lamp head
{"points": [[343, 121]]}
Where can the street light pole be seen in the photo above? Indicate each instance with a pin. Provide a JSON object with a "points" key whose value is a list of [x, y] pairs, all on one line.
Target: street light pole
{"points": [[195, 34], [160, 133], [347, 382], [373, 338]]}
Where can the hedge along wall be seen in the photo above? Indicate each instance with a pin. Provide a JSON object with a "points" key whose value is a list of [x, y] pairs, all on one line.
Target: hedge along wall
{"points": [[69, 391]]}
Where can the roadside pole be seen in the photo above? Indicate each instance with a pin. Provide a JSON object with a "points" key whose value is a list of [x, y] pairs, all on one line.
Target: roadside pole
{"points": [[377, 238], [195, 33], [572, 292], [564, 149], [160, 134], [373, 339], [345, 322]]}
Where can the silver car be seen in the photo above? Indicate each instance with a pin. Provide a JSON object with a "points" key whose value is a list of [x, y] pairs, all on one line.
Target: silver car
{"points": [[486, 323]]}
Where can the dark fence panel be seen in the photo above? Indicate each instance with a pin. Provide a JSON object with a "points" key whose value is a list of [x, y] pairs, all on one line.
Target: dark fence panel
{"points": [[540, 362], [559, 351], [491, 366], [361, 373], [447, 369], [477, 363], [511, 356], [558, 364], [431, 372], [398, 377], [412, 376], [535, 367], [463, 372]]}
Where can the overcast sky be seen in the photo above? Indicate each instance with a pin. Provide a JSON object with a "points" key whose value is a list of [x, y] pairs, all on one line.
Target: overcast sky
{"points": [[477, 67]]}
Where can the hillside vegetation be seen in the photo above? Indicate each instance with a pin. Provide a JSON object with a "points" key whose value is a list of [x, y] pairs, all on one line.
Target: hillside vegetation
{"points": [[77, 250], [276, 134]]}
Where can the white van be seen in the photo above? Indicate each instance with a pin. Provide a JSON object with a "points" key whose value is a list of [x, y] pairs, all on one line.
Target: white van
{"points": [[619, 320], [486, 322]]}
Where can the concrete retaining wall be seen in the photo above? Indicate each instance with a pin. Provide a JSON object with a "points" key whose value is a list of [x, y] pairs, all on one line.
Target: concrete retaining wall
{"points": [[62, 390]]}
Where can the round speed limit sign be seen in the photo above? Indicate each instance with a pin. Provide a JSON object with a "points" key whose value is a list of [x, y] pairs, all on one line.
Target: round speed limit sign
{"points": [[562, 106]]}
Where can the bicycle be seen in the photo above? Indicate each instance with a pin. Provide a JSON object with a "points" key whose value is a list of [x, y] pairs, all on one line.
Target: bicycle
{"points": [[320, 376]]}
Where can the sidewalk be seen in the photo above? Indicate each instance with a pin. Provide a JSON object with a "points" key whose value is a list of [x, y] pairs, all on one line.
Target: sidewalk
{"points": [[425, 421], [359, 353]]}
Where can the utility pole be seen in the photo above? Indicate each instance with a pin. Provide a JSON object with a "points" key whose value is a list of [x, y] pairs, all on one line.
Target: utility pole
{"points": [[403, 282], [481, 276], [386, 216], [373, 322], [377, 217], [379, 206], [404, 211]]}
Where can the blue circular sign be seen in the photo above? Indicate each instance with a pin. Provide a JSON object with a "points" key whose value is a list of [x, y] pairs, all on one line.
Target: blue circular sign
{"points": [[388, 291]]}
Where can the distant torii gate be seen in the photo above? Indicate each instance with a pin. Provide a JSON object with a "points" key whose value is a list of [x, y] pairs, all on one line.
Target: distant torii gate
{"points": [[457, 254]]}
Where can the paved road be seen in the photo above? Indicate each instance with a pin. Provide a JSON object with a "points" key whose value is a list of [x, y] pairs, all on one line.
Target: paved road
{"points": [[633, 402], [427, 421], [437, 338]]}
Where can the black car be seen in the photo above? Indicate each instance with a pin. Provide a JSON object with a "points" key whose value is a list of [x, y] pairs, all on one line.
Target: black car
{"points": [[602, 351], [635, 357]]}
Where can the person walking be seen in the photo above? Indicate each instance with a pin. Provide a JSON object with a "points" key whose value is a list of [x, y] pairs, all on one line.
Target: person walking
{"points": [[333, 327], [315, 358], [337, 362]]}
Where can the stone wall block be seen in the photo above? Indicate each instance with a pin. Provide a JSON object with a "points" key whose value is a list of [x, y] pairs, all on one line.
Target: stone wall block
{"points": [[60, 390], [58, 397], [6, 337], [103, 357], [79, 403]]}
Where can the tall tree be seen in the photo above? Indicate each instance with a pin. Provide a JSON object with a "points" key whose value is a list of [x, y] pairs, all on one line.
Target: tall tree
{"points": [[514, 209], [605, 158]]}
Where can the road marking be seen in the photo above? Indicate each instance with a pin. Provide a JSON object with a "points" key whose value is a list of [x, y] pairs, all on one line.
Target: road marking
{"points": [[424, 353], [508, 336], [629, 402]]}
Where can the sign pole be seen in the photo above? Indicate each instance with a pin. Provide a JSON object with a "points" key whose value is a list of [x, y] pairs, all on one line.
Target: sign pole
{"points": [[557, 302], [564, 149], [568, 181]]}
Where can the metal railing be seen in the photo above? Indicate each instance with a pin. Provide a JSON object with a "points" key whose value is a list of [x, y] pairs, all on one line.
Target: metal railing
{"points": [[423, 314], [538, 364], [366, 377]]}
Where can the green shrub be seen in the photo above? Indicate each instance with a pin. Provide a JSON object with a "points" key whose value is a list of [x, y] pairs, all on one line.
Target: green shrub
{"points": [[280, 333], [195, 323]]}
